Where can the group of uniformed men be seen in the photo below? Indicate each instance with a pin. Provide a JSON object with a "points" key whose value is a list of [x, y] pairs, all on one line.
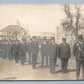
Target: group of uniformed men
{"points": [[49, 53]]}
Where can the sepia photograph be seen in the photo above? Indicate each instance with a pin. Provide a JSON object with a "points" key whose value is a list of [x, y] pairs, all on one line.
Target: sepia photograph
{"points": [[41, 41]]}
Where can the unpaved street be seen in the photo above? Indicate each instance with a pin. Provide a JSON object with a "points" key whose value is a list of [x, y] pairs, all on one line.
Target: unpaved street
{"points": [[9, 70]]}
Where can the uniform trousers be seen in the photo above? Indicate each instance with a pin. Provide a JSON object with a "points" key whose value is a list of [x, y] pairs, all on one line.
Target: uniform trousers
{"points": [[34, 60], [52, 65], [17, 57], [29, 57], [23, 58], [64, 64], [44, 57], [79, 65]]}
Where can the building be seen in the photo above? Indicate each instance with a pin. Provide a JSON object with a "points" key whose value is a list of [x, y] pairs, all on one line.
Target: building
{"points": [[13, 32]]}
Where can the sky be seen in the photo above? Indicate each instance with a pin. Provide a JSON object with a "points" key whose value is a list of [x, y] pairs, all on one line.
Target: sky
{"points": [[33, 17]]}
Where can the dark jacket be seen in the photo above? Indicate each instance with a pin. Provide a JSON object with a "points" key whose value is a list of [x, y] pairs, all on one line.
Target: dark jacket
{"points": [[9, 45], [14, 49], [64, 50], [25, 47], [17, 49], [1, 50], [20, 49], [53, 50], [48, 48], [78, 51], [44, 49], [35, 47], [29, 45]]}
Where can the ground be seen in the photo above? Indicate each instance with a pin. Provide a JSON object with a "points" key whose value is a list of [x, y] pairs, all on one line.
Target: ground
{"points": [[9, 70]]}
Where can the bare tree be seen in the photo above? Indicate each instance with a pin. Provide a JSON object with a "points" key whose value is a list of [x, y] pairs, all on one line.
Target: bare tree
{"points": [[72, 22]]}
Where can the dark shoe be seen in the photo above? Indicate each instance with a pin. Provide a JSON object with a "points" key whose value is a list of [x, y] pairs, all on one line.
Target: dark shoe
{"points": [[22, 64], [30, 63], [46, 66], [41, 66], [63, 72], [34, 67], [53, 72], [77, 78], [16, 62]]}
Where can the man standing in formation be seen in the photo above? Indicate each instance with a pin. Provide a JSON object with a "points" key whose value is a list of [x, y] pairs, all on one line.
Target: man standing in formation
{"points": [[35, 50], [17, 52], [78, 51], [64, 54], [30, 51], [1, 49], [24, 46], [44, 51], [9, 54], [53, 55], [49, 49]]}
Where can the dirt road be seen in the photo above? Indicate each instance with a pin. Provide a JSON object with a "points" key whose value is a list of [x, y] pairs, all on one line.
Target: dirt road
{"points": [[9, 70]]}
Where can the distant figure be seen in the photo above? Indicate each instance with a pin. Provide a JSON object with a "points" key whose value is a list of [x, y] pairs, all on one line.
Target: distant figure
{"points": [[78, 51], [35, 50], [53, 55], [44, 52], [30, 51], [64, 54]]}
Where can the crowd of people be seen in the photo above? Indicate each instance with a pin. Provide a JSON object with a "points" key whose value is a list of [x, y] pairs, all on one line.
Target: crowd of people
{"points": [[50, 51]]}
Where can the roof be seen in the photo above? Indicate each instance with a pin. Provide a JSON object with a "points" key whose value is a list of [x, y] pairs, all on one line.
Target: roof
{"points": [[12, 28], [43, 34]]}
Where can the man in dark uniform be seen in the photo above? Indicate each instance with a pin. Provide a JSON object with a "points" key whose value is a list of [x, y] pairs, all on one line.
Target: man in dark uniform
{"points": [[35, 50], [53, 55], [48, 47], [21, 53], [44, 52], [0, 49], [64, 54], [78, 51], [30, 51], [11, 48], [5, 48], [24, 46], [10, 56], [17, 52]]}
